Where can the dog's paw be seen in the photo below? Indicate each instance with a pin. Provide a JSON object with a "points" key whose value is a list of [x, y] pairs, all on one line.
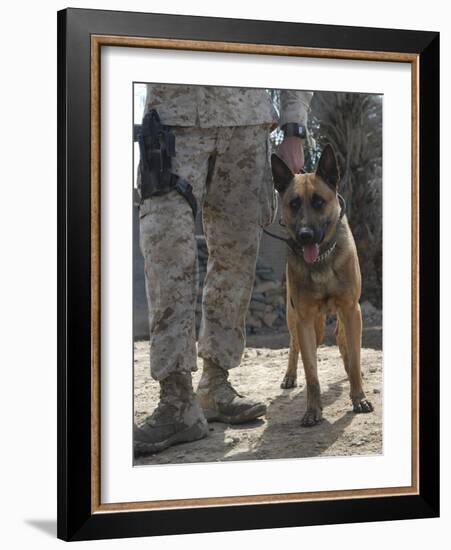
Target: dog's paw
{"points": [[311, 418], [288, 382], [362, 406]]}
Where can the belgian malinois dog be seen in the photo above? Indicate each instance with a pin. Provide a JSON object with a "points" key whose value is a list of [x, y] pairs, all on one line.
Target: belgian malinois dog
{"points": [[323, 276]]}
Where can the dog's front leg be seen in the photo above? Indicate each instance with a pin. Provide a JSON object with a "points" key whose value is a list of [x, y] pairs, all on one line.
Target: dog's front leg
{"points": [[307, 343], [352, 321]]}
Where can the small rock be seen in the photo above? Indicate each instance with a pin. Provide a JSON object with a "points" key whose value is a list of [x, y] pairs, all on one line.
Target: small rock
{"points": [[230, 440], [358, 442], [269, 319], [268, 276], [262, 268], [257, 306], [376, 390], [253, 322], [367, 309], [265, 287], [273, 294]]}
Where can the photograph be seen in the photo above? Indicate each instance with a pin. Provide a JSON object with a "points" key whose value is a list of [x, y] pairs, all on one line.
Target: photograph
{"points": [[257, 273], [224, 301], [248, 262]]}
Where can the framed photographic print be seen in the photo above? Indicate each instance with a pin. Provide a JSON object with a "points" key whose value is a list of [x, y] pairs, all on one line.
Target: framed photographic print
{"points": [[248, 274]]}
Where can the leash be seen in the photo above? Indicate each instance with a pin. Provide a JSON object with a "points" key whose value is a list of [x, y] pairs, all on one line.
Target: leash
{"points": [[296, 247]]}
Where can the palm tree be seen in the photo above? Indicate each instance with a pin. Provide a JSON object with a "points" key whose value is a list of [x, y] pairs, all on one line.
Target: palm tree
{"points": [[352, 124]]}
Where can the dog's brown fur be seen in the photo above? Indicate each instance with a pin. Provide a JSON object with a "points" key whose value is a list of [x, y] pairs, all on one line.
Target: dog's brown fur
{"points": [[332, 285]]}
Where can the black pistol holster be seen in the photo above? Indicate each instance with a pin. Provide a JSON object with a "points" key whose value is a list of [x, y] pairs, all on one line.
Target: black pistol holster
{"points": [[157, 147]]}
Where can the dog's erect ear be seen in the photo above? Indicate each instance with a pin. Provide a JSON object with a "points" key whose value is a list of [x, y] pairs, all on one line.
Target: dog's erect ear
{"points": [[327, 168], [281, 174]]}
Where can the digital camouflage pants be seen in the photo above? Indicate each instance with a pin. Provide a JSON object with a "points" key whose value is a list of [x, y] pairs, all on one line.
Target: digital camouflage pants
{"points": [[231, 178]]}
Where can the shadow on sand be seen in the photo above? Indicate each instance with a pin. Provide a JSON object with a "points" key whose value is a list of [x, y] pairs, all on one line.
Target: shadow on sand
{"points": [[304, 442]]}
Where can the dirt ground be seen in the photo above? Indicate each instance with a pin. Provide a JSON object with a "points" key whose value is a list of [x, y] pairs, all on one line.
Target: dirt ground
{"points": [[280, 434]]}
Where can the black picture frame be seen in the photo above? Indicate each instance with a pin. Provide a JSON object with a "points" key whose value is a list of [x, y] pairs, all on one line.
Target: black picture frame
{"points": [[76, 518]]}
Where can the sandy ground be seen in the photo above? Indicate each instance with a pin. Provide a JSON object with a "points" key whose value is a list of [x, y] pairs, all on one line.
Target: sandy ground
{"points": [[279, 434]]}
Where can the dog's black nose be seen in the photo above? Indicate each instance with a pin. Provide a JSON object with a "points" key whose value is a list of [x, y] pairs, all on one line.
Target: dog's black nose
{"points": [[305, 235]]}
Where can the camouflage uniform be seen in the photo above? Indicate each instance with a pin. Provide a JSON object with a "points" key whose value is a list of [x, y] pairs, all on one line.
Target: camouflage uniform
{"points": [[222, 150]]}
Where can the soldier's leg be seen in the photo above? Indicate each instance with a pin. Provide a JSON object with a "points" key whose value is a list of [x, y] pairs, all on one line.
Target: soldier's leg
{"points": [[168, 245], [232, 215]]}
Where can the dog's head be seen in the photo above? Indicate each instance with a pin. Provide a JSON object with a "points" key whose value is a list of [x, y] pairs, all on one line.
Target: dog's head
{"points": [[310, 206]]}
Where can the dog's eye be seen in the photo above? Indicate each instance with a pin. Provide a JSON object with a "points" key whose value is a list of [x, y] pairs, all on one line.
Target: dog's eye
{"points": [[317, 202], [295, 203]]}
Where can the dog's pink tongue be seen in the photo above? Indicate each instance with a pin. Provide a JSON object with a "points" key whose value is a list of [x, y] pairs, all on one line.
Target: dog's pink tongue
{"points": [[311, 252]]}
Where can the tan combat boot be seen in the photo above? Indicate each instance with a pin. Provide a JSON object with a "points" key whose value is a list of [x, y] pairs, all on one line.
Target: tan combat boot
{"points": [[221, 402], [177, 419]]}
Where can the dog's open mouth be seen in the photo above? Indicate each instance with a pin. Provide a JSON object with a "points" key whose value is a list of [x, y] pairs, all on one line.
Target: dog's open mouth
{"points": [[310, 252]]}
